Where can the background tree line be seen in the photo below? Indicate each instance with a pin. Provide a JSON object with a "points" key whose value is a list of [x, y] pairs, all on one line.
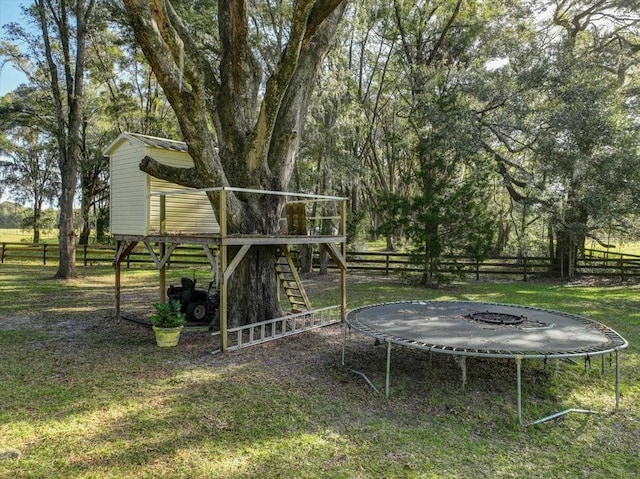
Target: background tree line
{"points": [[453, 126], [15, 216]]}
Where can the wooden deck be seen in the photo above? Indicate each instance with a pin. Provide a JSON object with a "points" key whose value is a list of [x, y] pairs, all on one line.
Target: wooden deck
{"points": [[234, 239]]}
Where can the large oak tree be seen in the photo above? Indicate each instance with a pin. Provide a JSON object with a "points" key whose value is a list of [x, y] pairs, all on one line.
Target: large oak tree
{"points": [[240, 116], [64, 28]]}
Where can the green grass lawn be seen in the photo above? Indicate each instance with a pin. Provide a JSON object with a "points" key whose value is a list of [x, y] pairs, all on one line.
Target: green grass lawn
{"points": [[17, 235], [83, 395]]}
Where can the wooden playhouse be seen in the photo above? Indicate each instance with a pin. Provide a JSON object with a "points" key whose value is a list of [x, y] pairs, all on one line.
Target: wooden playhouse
{"points": [[134, 198], [163, 216]]}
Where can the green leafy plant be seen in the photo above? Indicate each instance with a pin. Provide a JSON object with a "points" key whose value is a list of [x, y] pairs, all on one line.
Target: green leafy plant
{"points": [[168, 315]]}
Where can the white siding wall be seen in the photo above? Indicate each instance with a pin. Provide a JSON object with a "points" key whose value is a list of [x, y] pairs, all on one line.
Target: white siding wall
{"points": [[129, 188], [185, 213], [135, 212]]}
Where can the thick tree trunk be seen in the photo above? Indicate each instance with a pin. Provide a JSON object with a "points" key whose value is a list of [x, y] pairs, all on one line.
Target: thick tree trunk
{"points": [[504, 230], [67, 240], [102, 223], [253, 288], [306, 258], [570, 239], [37, 220], [257, 124], [432, 252], [391, 245], [85, 213], [324, 262]]}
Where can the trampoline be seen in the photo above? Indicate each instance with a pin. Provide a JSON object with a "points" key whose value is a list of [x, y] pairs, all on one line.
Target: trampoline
{"points": [[486, 330]]}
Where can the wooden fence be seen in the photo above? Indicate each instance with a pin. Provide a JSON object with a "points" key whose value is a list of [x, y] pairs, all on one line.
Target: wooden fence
{"points": [[96, 254], [593, 262]]}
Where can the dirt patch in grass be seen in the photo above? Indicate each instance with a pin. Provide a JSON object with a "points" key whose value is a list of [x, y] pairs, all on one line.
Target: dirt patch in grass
{"points": [[309, 363], [312, 359]]}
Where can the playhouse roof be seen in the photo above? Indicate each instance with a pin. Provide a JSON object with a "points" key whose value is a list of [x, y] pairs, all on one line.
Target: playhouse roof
{"points": [[152, 141]]}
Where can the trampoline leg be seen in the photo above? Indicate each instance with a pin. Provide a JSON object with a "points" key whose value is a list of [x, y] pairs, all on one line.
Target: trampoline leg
{"points": [[561, 413], [344, 342], [386, 386], [462, 362], [617, 381], [519, 387]]}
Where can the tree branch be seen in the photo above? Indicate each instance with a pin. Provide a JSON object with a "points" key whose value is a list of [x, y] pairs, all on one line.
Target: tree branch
{"points": [[276, 87], [436, 49], [321, 10], [181, 176], [160, 43], [191, 51], [283, 143]]}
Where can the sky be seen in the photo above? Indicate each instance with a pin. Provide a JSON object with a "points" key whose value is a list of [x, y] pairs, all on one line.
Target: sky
{"points": [[10, 78]]}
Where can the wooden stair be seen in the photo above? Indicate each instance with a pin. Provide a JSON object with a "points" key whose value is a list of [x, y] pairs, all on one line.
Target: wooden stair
{"points": [[290, 281]]}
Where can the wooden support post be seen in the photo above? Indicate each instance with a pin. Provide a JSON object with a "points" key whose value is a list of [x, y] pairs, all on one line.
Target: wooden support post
{"points": [[223, 269], [117, 263], [343, 250], [122, 251], [163, 269]]}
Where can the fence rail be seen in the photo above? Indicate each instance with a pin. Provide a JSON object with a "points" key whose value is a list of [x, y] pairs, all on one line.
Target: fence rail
{"points": [[592, 262]]}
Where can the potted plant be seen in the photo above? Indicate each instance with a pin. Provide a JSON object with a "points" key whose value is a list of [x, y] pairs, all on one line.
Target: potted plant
{"points": [[168, 322]]}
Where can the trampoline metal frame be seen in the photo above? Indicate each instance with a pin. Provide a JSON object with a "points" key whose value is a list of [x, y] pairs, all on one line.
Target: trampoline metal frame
{"points": [[517, 356]]}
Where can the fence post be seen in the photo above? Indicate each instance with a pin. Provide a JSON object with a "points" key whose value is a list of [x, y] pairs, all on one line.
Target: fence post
{"points": [[44, 253], [621, 268], [477, 269], [84, 254], [4, 251], [524, 267], [386, 270]]}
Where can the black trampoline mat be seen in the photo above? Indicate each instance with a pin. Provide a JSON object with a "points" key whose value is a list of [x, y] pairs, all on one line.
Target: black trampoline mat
{"points": [[451, 326]]}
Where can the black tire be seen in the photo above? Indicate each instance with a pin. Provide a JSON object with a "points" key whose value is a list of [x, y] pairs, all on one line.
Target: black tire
{"points": [[200, 312], [197, 311]]}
